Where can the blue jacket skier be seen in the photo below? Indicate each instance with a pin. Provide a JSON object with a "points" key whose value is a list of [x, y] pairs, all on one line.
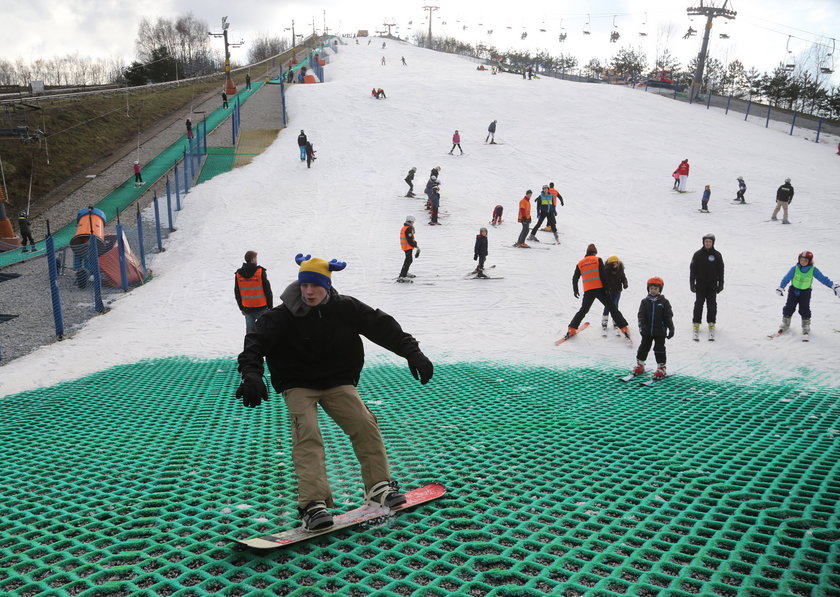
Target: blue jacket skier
{"points": [[801, 277]]}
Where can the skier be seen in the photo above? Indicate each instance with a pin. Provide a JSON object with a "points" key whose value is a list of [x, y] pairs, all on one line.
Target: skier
{"points": [[497, 215], [434, 198], [224, 100], [408, 244], [801, 277], [676, 178], [310, 154], [25, 232], [480, 252], [383, 61], [409, 179], [313, 347], [491, 133], [614, 281], [189, 129], [302, 145], [546, 210], [742, 188], [704, 201], [591, 270], [524, 218], [402, 58], [784, 197], [682, 173], [555, 194], [138, 178], [656, 323], [252, 291], [456, 142], [705, 279], [378, 93], [430, 185], [247, 81]]}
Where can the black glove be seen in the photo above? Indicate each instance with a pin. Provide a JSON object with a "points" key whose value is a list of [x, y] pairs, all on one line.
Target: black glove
{"points": [[577, 294], [475, 257], [421, 367], [693, 287], [720, 287], [670, 333], [252, 390]]}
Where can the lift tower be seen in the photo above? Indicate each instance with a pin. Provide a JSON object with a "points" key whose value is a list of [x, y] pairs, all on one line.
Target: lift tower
{"points": [[706, 8]]}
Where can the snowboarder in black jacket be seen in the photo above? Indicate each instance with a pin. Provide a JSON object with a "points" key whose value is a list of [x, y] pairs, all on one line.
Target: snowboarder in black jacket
{"points": [[705, 278]]}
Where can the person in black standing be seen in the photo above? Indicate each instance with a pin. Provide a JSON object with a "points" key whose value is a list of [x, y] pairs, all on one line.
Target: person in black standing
{"points": [[706, 281], [409, 180], [25, 232], [302, 145], [480, 252], [224, 100], [491, 133], [247, 81]]}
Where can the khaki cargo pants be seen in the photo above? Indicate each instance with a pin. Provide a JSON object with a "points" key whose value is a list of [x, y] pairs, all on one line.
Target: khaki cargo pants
{"points": [[344, 406]]}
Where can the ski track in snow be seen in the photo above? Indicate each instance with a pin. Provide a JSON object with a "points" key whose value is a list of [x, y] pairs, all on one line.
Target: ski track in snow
{"points": [[610, 150]]}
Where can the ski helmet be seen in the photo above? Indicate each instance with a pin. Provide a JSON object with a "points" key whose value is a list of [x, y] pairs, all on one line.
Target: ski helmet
{"points": [[807, 255], [409, 219], [787, 180], [656, 281], [23, 214], [709, 236], [741, 178], [613, 259]]}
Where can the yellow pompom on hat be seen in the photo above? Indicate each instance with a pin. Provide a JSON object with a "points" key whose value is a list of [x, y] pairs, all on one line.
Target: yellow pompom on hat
{"points": [[316, 270]]}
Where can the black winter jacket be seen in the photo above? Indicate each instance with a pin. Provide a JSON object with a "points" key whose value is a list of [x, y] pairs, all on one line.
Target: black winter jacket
{"points": [[655, 316], [319, 347], [785, 193], [613, 278], [706, 270], [480, 245]]}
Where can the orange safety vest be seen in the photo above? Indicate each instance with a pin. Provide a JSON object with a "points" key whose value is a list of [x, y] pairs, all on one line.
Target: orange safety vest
{"points": [[524, 209], [403, 240], [554, 193], [251, 289], [589, 273]]}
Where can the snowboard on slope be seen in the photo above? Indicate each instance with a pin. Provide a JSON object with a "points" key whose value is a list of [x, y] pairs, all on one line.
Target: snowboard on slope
{"points": [[415, 497]]}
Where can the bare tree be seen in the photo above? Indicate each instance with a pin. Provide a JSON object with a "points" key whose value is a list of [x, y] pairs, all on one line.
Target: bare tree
{"points": [[265, 46]]}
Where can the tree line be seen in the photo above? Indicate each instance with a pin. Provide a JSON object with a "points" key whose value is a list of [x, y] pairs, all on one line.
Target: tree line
{"points": [[165, 50], [800, 84]]}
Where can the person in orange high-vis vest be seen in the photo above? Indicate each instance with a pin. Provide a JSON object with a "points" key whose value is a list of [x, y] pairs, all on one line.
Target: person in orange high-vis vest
{"points": [[590, 269], [524, 218], [408, 244], [252, 291]]}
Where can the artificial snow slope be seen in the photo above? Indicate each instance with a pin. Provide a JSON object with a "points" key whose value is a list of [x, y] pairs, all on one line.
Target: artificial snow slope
{"points": [[610, 151]]}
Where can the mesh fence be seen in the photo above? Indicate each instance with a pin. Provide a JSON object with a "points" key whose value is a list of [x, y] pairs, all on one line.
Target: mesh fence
{"points": [[134, 481]]}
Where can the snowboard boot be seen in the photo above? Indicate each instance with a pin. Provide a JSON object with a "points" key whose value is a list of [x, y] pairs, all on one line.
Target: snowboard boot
{"points": [[639, 368], [660, 372], [695, 332], [315, 516], [711, 332], [806, 327], [385, 493], [785, 324], [604, 321]]}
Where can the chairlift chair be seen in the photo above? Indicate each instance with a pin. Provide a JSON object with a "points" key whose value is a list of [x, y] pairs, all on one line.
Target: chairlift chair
{"points": [[790, 62], [827, 67], [586, 28], [614, 34], [643, 32]]}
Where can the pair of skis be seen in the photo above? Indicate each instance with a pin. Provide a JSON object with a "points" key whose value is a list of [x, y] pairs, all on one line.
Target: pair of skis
{"points": [[583, 326], [805, 337]]}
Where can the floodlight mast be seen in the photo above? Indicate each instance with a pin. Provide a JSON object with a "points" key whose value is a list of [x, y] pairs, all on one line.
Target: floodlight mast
{"points": [[707, 9]]}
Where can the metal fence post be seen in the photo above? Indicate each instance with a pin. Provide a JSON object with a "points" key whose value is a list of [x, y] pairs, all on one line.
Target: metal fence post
{"points": [[140, 244], [749, 105], [157, 223], [767, 122], [121, 255], [819, 128], [793, 123], [729, 101], [93, 261], [55, 292], [177, 190], [169, 204]]}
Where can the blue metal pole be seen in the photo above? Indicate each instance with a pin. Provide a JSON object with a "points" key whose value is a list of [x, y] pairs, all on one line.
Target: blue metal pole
{"points": [[729, 101], [55, 292], [140, 243], [93, 261], [283, 99], [169, 203], [177, 190], [121, 254], [186, 175], [749, 105], [767, 122], [793, 123], [819, 128], [708, 100], [157, 223]]}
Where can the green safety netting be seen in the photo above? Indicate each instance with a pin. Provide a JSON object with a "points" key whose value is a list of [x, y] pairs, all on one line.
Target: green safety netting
{"points": [[133, 481], [154, 168]]}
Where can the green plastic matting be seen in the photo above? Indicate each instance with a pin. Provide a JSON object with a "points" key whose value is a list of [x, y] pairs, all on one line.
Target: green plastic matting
{"points": [[217, 161], [561, 482]]}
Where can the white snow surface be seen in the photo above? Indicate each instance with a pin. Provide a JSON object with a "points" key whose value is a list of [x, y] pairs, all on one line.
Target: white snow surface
{"points": [[610, 151]]}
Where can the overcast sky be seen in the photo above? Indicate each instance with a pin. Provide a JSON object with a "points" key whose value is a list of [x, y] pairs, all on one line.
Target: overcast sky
{"points": [[758, 35]]}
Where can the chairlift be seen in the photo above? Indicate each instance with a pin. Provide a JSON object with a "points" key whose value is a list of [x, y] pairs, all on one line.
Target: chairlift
{"points": [[562, 37], [643, 32], [790, 62], [724, 35], [489, 32], [614, 34], [827, 67], [586, 28], [690, 33], [524, 34]]}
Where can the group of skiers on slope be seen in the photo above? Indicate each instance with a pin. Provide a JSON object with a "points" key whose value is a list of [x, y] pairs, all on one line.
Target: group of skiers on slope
{"points": [[784, 194], [307, 152], [546, 203]]}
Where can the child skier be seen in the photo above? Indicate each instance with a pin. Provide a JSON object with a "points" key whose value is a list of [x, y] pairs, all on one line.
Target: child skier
{"points": [[480, 252], [614, 281], [742, 188], [456, 142], [656, 323], [138, 179], [497, 215], [801, 276], [704, 201]]}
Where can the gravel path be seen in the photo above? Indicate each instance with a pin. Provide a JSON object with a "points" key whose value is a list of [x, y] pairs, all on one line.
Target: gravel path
{"points": [[29, 294]]}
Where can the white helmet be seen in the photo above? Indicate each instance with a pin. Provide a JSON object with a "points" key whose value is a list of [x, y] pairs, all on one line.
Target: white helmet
{"points": [[409, 219]]}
